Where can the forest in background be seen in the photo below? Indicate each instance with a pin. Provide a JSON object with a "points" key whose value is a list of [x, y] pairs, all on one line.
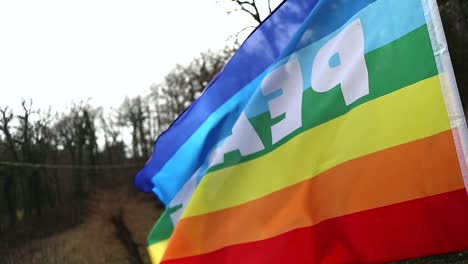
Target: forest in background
{"points": [[56, 167]]}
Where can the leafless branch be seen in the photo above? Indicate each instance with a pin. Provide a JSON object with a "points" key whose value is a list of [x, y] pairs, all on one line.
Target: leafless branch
{"points": [[244, 7]]}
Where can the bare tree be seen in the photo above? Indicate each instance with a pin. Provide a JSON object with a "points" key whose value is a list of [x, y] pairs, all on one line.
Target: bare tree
{"points": [[252, 8], [133, 113], [7, 117], [255, 10], [185, 83], [9, 188], [76, 133], [114, 149]]}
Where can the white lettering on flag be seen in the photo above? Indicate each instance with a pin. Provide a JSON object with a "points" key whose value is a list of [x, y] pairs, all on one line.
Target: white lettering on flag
{"points": [[288, 79], [351, 72], [243, 138]]}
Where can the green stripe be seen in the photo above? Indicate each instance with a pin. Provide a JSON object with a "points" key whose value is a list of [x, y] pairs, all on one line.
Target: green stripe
{"points": [[163, 228], [394, 66]]}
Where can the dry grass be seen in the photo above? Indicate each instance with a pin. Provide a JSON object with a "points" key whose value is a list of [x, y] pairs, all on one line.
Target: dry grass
{"points": [[94, 241]]}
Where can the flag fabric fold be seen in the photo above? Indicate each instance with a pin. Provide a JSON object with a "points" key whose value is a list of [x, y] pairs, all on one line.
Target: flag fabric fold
{"points": [[335, 134]]}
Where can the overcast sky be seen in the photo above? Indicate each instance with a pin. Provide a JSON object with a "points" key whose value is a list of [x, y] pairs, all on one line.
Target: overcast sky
{"points": [[59, 51]]}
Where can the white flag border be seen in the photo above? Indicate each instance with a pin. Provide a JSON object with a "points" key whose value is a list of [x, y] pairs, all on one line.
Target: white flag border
{"points": [[448, 83]]}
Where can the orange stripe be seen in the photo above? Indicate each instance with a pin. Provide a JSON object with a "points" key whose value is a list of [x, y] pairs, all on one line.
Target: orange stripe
{"points": [[420, 227], [414, 170]]}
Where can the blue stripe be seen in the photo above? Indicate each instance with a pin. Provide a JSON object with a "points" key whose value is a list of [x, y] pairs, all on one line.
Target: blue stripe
{"points": [[194, 152], [382, 22], [396, 16], [257, 53]]}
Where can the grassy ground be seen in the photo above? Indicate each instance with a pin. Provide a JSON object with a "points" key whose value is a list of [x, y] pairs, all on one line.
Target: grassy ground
{"points": [[94, 240]]}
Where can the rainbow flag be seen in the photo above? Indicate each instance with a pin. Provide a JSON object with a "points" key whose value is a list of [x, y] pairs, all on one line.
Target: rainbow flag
{"points": [[335, 134]]}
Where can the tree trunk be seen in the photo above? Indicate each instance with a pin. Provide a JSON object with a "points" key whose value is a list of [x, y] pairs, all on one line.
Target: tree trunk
{"points": [[10, 197]]}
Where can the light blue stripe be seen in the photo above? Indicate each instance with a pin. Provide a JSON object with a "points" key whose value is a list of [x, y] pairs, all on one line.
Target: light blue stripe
{"points": [[383, 22], [216, 128]]}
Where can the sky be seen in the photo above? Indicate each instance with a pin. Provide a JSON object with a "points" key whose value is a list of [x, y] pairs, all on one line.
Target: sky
{"points": [[60, 51]]}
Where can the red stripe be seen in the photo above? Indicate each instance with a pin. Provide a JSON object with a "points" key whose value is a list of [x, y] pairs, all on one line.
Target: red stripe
{"points": [[426, 226]]}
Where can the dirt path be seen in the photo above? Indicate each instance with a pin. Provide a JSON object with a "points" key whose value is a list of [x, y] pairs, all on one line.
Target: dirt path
{"points": [[95, 240]]}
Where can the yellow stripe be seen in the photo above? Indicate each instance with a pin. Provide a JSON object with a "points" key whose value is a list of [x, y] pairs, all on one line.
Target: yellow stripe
{"points": [[156, 251], [414, 112]]}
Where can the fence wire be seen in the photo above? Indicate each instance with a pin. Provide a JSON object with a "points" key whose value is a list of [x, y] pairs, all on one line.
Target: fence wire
{"points": [[70, 166]]}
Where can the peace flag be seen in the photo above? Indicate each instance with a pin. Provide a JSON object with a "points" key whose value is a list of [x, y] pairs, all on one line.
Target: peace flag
{"points": [[335, 134]]}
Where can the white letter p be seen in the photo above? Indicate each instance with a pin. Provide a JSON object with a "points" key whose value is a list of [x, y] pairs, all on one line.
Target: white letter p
{"points": [[351, 72]]}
